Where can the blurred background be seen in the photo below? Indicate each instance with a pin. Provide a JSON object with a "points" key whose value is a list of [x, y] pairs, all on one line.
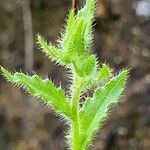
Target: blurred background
{"points": [[121, 38]]}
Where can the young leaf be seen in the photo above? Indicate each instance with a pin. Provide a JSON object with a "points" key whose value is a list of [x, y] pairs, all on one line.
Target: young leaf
{"points": [[51, 51], [44, 89], [65, 36], [86, 67], [87, 13], [77, 37], [104, 73], [95, 109]]}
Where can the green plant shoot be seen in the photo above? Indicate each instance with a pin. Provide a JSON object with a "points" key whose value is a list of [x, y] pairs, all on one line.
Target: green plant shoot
{"points": [[73, 52]]}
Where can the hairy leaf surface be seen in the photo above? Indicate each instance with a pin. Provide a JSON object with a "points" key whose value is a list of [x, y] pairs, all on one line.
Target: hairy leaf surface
{"points": [[104, 72], [51, 51], [44, 89], [95, 108]]}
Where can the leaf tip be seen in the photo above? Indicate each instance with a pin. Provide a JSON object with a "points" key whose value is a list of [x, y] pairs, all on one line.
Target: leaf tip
{"points": [[5, 73]]}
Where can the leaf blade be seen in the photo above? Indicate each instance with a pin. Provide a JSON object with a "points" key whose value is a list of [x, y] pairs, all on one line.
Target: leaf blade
{"points": [[51, 51], [44, 89], [99, 104], [104, 72]]}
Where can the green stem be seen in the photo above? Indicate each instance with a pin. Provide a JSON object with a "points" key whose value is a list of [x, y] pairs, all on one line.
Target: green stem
{"points": [[75, 121]]}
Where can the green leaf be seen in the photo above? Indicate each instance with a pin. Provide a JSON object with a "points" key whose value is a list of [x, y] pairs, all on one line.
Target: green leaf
{"points": [[44, 89], [87, 14], [90, 6], [104, 73], [77, 37], [69, 29], [75, 46], [95, 109], [86, 67], [51, 51], [77, 42]]}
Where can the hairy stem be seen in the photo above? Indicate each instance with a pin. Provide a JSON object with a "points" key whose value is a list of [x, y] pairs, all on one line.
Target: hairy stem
{"points": [[75, 121]]}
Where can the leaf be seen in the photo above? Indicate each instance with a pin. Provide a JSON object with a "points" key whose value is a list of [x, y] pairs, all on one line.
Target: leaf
{"points": [[104, 73], [77, 37], [95, 109], [77, 43], [51, 51], [75, 46], [69, 29], [86, 67], [44, 89], [72, 40], [87, 14]]}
